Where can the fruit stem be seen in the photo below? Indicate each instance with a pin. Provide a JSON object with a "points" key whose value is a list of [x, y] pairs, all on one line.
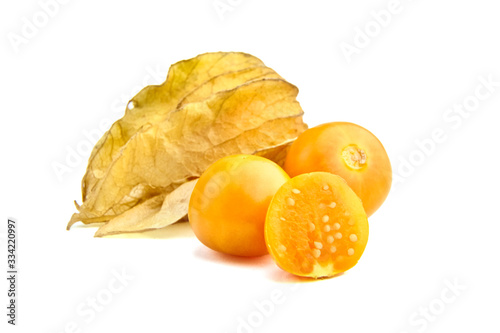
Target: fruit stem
{"points": [[354, 157]]}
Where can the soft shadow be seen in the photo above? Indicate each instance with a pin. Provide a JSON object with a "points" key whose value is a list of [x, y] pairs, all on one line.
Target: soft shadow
{"points": [[80, 225], [207, 254], [176, 230], [276, 274]]}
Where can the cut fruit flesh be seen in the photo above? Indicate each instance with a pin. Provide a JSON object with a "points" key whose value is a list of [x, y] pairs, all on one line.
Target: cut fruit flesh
{"points": [[316, 226]]}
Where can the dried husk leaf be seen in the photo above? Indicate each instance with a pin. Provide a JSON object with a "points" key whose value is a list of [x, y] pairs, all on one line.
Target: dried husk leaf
{"points": [[154, 103], [227, 81], [182, 146], [153, 214], [166, 209], [277, 153], [157, 212]]}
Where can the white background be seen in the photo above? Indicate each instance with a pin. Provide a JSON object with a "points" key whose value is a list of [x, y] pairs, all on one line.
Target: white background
{"points": [[439, 226]]}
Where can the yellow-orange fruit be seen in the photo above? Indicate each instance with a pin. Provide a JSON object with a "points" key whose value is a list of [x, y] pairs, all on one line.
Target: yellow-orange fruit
{"points": [[228, 207], [347, 150], [316, 226]]}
